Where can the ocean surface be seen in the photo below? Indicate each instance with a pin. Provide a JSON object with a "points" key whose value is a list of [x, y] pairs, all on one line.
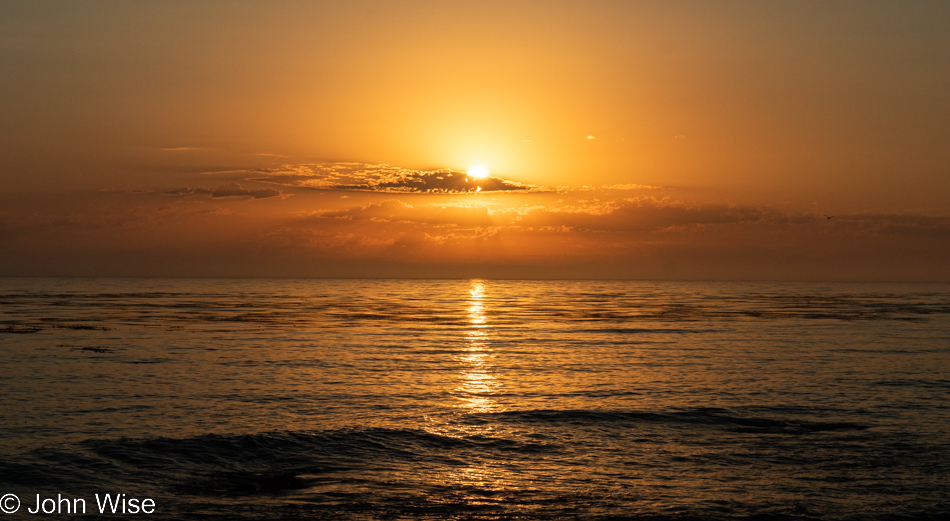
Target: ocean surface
{"points": [[476, 399]]}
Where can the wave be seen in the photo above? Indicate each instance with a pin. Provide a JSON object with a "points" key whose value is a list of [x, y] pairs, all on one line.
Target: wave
{"points": [[498, 474], [646, 330], [701, 416], [317, 452], [236, 459]]}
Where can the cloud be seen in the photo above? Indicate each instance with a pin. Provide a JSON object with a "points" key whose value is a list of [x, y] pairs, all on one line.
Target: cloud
{"points": [[641, 214], [227, 190], [623, 186], [384, 178], [621, 233], [649, 214], [396, 211], [899, 225]]}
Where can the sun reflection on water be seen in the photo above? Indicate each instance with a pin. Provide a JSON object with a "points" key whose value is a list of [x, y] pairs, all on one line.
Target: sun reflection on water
{"points": [[475, 393], [477, 390], [477, 380], [476, 302]]}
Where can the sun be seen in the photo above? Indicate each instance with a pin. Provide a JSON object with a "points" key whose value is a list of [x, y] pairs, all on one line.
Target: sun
{"points": [[478, 172]]}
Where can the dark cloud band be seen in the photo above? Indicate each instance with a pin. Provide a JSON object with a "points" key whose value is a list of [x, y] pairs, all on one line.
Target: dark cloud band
{"points": [[385, 178], [228, 190]]}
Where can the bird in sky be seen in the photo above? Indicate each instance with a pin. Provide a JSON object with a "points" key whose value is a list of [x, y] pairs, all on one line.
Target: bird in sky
{"points": [[829, 217]]}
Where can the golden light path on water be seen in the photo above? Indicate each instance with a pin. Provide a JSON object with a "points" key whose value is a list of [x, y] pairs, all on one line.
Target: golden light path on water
{"points": [[476, 388], [477, 381]]}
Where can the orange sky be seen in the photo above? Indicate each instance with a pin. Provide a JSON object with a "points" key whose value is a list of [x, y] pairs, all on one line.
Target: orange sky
{"points": [[625, 139]]}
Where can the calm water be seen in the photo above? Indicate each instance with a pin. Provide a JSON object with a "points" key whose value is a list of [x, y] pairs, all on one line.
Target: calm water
{"points": [[375, 399]]}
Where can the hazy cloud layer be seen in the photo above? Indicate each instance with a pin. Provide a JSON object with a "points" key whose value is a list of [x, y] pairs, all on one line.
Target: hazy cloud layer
{"points": [[598, 233], [632, 215], [226, 190], [899, 225]]}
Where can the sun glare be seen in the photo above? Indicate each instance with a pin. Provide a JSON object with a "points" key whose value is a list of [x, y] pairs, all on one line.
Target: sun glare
{"points": [[478, 172]]}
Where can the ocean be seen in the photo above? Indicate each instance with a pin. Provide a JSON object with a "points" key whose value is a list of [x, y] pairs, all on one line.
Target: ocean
{"points": [[264, 399]]}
